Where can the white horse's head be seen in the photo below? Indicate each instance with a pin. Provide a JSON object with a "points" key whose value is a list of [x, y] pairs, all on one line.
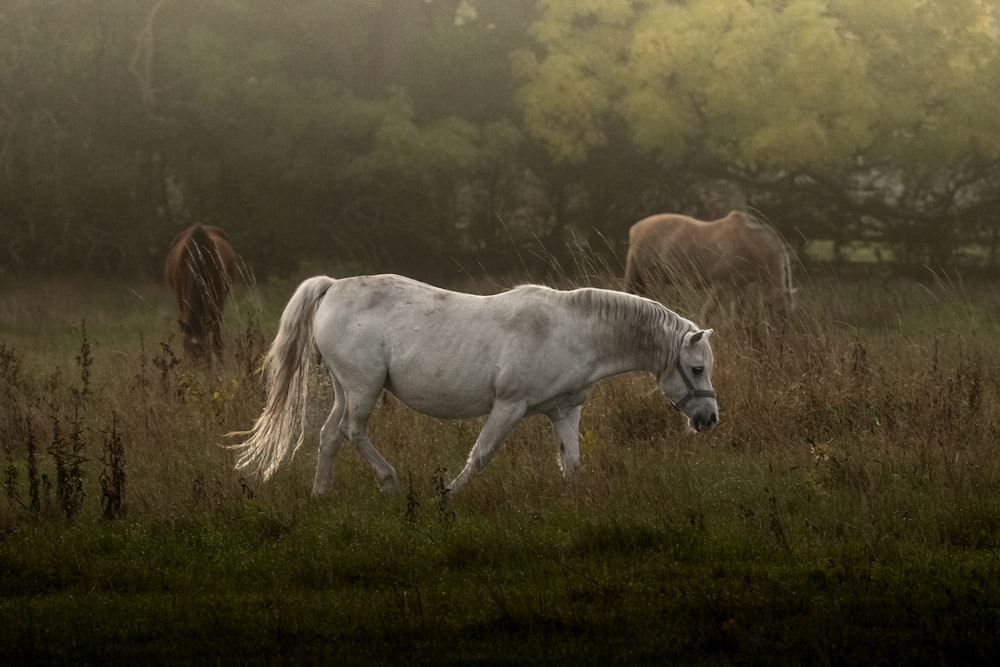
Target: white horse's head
{"points": [[688, 383]]}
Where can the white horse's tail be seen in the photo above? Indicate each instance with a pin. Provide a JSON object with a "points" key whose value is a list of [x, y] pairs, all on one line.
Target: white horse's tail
{"points": [[277, 433]]}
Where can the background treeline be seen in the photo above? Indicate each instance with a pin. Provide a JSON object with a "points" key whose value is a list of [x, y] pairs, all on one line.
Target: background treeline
{"points": [[429, 136]]}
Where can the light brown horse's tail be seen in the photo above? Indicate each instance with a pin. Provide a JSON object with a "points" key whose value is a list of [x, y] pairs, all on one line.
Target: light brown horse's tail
{"points": [[278, 432], [786, 288], [786, 277], [783, 291]]}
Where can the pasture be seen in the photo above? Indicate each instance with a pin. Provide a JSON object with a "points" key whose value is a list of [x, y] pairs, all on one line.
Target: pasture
{"points": [[845, 510]]}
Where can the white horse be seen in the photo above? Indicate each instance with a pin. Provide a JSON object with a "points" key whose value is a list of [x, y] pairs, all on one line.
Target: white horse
{"points": [[531, 350]]}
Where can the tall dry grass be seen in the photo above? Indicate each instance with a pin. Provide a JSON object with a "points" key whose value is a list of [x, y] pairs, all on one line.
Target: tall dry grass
{"points": [[881, 393]]}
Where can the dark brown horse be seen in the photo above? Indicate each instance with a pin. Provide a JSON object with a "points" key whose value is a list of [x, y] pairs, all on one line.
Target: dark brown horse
{"points": [[200, 268]]}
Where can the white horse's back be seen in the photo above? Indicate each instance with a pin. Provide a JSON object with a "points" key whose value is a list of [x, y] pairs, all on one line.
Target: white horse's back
{"points": [[448, 354]]}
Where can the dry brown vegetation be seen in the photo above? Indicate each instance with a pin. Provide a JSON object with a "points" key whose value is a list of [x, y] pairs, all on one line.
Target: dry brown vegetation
{"points": [[845, 507]]}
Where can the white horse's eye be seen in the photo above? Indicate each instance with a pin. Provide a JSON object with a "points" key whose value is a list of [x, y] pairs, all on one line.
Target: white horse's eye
{"points": [[697, 370]]}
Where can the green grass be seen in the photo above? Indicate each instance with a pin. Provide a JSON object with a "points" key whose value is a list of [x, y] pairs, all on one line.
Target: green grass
{"points": [[844, 511]]}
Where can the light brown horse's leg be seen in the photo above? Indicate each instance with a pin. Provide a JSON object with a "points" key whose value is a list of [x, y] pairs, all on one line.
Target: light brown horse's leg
{"points": [[632, 282], [711, 302]]}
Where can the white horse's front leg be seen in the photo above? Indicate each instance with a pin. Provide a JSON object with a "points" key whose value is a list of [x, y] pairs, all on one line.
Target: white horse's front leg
{"points": [[502, 418], [566, 426]]}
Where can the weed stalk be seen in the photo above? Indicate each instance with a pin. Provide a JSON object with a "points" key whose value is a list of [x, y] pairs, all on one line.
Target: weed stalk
{"points": [[113, 475]]}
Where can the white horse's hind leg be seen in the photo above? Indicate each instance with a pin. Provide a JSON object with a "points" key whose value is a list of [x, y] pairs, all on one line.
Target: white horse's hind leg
{"points": [[355, 429], [384, 472], [330, 440], [502, 418], [566, 426]]}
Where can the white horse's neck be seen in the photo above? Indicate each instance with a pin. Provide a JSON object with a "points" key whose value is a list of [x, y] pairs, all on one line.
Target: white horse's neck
{"points": [[634, 333]]}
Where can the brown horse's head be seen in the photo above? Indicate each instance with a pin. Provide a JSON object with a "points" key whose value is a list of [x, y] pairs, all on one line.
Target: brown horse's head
{"points": [[198, 342], [199, 270]]}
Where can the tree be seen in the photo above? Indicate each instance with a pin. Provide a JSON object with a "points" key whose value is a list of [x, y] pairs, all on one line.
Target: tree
{"points": [[346, 126], [67, 171], [413, 135], [884, 110]]}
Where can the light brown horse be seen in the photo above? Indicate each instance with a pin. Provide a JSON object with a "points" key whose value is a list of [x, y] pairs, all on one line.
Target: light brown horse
{"points": [[200, 268], [729, 252]]}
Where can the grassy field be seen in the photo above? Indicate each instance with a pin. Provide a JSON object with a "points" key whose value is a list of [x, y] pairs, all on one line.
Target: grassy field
{"points": [[845, 511]]}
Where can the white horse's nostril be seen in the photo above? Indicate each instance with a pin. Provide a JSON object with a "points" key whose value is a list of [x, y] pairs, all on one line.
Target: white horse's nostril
{"points": [[705, 423]]}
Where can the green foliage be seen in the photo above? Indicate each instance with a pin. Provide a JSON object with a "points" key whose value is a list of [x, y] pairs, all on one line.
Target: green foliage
{"points": [[825, 113], [131, 119], [568, 93], [789, 85], [932, 66]]}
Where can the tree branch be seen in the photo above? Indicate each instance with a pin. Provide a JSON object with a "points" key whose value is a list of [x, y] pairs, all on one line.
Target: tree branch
{"points": [[141, 65]]}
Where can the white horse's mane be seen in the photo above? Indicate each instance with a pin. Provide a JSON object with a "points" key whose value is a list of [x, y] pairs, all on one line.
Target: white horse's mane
{"points": [[634, 321]]}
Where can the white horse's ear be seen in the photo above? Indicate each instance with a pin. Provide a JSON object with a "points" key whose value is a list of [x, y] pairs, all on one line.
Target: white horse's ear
{"points": [[698, 335]]}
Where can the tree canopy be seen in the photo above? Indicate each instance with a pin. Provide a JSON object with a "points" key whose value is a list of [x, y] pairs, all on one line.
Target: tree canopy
{"points": [[427, 136]]}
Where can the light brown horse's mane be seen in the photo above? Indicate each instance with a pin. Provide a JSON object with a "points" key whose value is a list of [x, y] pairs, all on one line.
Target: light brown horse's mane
{"points": [[756, 223], [752, 220]]}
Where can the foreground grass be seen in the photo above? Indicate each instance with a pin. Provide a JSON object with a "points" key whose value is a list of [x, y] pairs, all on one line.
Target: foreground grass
{"points": [[845, 511], [498, 591]]}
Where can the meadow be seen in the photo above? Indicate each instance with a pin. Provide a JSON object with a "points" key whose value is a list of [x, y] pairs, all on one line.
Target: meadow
{"points": [[846, 510]]}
